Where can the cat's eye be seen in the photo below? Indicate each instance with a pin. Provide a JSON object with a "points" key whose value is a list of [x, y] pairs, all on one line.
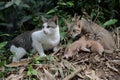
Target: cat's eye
{"points": [[42, 26], [48, 26], [74, 31]]}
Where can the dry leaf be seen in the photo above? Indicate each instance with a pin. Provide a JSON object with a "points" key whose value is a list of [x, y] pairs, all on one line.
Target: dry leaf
{"points": [[113, 68], [49, 75], [61, 72], [92, 75], [20, 63], [14, 77], [68, 65], [115, 61], [21, 70], [70, 76]]}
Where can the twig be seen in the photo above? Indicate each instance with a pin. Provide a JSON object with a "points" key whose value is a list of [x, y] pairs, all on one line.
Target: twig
{"points": [[72, 75], [112, 68], [96, 16], [118, 38]]}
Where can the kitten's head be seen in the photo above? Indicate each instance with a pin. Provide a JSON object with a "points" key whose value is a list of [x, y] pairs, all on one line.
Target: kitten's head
{"points": [[50, 25], [74, 28]]}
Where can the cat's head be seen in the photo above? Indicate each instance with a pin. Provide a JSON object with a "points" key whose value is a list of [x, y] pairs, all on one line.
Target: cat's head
{"points": [[74, 28], [50, 25]]}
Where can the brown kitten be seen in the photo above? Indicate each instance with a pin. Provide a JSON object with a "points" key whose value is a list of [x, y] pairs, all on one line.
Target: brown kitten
{"points": [[99, 33], [84, 45]]}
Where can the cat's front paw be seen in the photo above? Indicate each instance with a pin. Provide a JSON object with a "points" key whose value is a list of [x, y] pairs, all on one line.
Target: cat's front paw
{"points": [[43, 55], [15, 59]]}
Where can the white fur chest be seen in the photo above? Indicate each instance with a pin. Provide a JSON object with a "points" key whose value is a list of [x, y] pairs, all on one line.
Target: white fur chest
{"points": [[47, 41], [50, 42]]}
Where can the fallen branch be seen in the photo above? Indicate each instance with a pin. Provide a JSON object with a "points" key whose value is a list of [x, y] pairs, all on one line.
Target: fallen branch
{"points": [[20, 63], [112, 68]]}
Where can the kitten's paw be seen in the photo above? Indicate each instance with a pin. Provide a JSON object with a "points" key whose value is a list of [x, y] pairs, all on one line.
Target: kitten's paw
{"points": [[85, 49], [66, 56]]}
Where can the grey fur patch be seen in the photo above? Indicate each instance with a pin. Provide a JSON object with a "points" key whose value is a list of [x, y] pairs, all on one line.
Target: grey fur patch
{"points": [[23, 40]]}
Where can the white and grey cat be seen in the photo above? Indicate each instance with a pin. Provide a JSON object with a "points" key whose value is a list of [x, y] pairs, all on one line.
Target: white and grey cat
{"points": [[37, 40]]}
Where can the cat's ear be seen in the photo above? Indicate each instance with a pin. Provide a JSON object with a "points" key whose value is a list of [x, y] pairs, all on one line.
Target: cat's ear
{"points": [[55, 19], [79, 23], [43, 19], [75, 17]]}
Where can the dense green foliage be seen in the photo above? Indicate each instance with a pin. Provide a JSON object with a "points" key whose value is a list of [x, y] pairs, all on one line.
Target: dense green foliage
{"points": [[17, 16], [21, 15]]}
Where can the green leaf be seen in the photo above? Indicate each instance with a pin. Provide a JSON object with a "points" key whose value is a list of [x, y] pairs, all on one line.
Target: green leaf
{"points": [[8, 4], [34, 72], [25, 18], [51, 11], [48, 57], [37, 58], [110, 22], [1, 74], [29, 73], [37, 62], [70, 4], [5, 35], [30, 68], [17, 2], [63, 28], [63, 4], [33, 79], [2, 44], [2, 6], [6, 24], [1, 63], [62, 35], [25, 5]]}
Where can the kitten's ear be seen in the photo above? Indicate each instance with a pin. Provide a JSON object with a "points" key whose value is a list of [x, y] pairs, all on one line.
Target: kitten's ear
{"points": [[55, 19], [79, 23], [43, 19], [78, 18], [75, 17]]}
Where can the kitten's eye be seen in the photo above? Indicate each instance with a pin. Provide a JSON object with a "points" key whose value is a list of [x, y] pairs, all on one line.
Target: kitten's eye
{"points": [[74, 31]]}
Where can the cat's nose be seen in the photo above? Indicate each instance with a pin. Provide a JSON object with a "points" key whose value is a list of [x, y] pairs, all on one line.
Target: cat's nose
{"points": [[45, 31]]}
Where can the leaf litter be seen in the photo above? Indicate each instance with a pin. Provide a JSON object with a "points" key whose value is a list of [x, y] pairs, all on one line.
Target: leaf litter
{"points": [[82, 66]]}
